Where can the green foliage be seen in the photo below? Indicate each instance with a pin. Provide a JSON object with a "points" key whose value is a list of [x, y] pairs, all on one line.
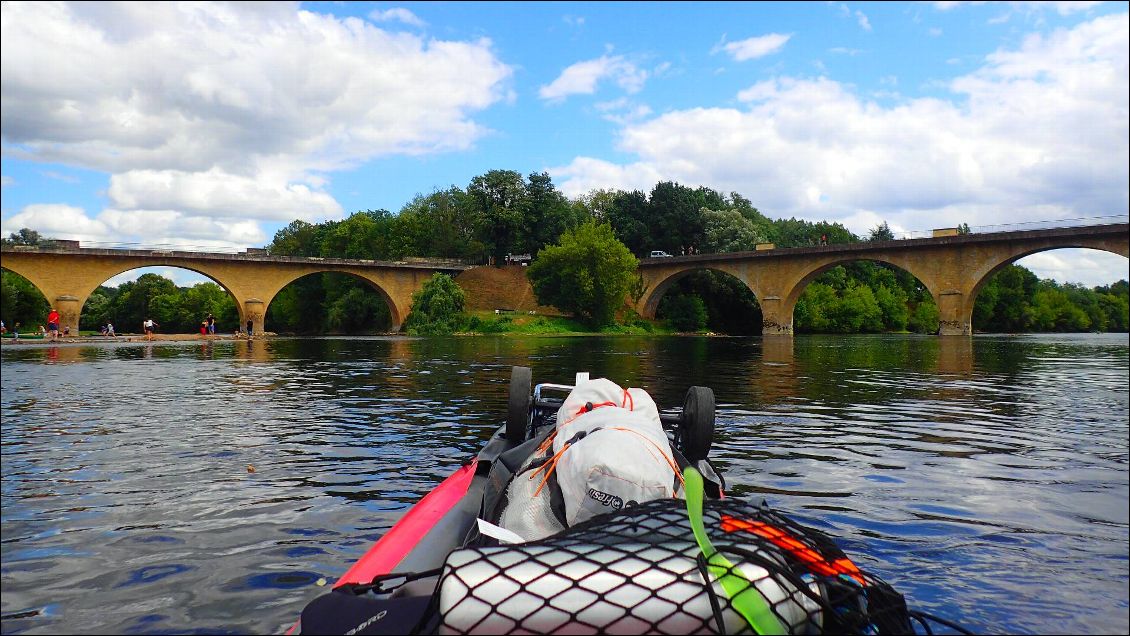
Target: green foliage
{"points": [[21, 302], [729, 231], [892, 302], [824, 309], [499, 197], [1014, 300], [684, 312], [25, 236], [924, 317], [587, 275], [881, 232], [730, 305], [799, 233], [437, 308]]}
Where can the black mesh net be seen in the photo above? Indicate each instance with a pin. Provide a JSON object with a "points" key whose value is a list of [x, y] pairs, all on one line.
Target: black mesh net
{"points": [[641, 571]]}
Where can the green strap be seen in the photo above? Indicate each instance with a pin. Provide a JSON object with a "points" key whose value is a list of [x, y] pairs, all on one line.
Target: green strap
{"points": [[744, 597]]}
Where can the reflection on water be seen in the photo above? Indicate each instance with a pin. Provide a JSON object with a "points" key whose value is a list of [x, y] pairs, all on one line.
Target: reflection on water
{"points": [[986, 478]]}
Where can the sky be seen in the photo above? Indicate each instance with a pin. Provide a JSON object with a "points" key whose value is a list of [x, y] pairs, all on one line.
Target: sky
{"points": [[210, 126]]}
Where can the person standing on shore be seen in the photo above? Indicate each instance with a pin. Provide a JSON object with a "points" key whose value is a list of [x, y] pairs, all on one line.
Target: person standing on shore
{"points": [[211, 325], [53, 324], [149, 326], [249, 326]]}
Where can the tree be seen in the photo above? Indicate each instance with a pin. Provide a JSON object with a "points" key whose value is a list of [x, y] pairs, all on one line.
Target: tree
{"points": [[500, 197], [442, 224], [924, 317], [728, 231], [546, 214], [684, 312], [588, 274], [675, 217], [25, 236], [881, 232], [628, 215], [437, 308], [21, 302], [137, 300]]}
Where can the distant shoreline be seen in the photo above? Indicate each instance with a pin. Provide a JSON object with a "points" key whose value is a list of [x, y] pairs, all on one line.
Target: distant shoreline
{"points": [[129, 337]]}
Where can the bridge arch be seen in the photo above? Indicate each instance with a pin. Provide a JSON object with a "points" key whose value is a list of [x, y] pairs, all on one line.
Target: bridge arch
{"points": [[984, 276], [68, 290], [396, 315], [224, 323], [731, 305], [657, 284], [23, 303], [790, 299]]}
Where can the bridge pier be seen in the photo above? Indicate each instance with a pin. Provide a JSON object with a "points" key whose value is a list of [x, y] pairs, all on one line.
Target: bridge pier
{"points": [[69, 309], [254, 310], [775, 320], [954, 319]]}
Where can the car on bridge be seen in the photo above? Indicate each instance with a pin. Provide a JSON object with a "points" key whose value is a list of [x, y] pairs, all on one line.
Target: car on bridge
{"points": [[659, 254]]}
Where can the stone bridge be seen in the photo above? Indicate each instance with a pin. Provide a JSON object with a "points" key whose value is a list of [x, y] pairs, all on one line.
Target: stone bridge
{"points": [[68, 274], [953, 268]]}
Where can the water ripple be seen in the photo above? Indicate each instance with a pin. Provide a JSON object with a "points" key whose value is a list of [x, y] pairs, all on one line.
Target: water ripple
{"points": [[208, 487]]}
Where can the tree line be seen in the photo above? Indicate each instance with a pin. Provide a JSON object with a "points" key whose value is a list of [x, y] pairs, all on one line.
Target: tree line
{"points": [[502, 212]]}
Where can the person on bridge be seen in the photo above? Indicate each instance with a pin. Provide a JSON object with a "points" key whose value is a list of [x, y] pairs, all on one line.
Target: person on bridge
{"points": [[53, 324]]}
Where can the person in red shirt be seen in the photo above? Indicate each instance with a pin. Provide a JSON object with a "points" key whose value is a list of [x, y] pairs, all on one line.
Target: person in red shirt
{"points": [[53, 324]]}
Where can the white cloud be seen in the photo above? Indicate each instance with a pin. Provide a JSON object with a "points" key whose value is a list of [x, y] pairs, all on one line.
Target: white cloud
{"points": [[622, 110], [755, 47], [864, 23], [168, 229], [397, 14], [59, 221], [232, 110], [217, 193], [1090, 268], [1036, 133], [581, 78]]}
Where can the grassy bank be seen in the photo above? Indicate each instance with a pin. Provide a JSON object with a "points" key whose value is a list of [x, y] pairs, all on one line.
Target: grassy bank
{"points": [[527, 324]]}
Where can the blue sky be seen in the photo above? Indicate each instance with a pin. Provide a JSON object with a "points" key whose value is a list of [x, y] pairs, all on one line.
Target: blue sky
{"points": [[210, 126]]}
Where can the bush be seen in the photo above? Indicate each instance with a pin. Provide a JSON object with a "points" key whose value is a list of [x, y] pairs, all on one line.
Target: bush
{"points": [[437, 309]]}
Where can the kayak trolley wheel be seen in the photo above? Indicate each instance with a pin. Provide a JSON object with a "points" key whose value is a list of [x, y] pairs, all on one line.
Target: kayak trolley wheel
{"points": [[697, 428], [518, 407]]}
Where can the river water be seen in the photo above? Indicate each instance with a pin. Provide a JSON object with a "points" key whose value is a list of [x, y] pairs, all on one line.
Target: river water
{"points": [[985, 478]]}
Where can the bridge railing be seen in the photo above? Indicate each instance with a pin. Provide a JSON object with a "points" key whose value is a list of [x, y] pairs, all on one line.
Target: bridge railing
{"points": [[1027, 225]]}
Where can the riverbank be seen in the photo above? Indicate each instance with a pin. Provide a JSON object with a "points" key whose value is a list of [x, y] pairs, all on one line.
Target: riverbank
{"points": [[129, 337]]}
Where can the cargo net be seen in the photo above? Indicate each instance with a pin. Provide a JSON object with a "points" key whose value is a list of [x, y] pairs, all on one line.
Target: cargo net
{"points": [[641, 571]]}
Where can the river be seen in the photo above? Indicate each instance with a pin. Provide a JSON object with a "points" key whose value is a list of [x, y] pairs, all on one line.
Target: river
{"points": [[208, 487]]}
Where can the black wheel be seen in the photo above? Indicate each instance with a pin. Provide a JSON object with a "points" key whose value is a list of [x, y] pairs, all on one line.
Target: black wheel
{"points": [[697, 427], [518, 407]]}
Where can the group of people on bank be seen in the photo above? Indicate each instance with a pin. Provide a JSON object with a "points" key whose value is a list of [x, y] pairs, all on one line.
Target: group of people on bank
{"points": [[148, 327]]}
